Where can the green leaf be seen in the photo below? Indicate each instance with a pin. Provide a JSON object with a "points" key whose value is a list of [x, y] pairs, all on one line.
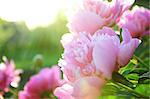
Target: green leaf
{"points": [[116, 77], [147, 75], [144, 78], [113, 91], [127, 69], [110, 89], [143, 89], [139, 70], [144, 81], [132, 77], [142, 53]]}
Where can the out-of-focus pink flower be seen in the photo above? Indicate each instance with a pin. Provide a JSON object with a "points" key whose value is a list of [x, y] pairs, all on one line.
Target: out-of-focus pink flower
{"points": [[8, 75], [83, 88], [43, 83], [94, 14], [136, 21], [98, 55], [26, 95]]}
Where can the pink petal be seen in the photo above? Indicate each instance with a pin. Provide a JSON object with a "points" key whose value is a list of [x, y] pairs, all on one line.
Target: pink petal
{"points": [[104, 56], [64, 92], [51, 76], [83, 88], [25, 95], [106, 30], [88, 87], [85, 21], [127, 48], [35, 81], [126, 35], [126, 51]]}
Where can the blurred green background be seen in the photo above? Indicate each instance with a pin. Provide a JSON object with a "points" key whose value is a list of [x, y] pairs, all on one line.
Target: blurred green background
{"points": [[22, 45]]}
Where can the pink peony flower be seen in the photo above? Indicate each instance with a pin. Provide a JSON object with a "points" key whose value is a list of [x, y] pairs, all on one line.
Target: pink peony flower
{"points": [[94, 14], [136, 21], [84, 88], [42, 84], [97, 55], [8, 75]]}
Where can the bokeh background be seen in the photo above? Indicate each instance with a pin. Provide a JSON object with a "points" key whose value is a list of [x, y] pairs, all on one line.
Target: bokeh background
{"points": [[35, 47]]}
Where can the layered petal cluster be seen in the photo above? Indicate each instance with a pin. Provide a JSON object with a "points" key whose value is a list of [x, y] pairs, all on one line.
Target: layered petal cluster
{"points": [[42, 84], [89, 60], [8, 75], [98, 55], [136, 21], [83, 88], [94, 14]]}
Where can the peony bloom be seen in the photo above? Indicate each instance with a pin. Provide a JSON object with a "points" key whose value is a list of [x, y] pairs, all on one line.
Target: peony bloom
{"points": [[8, 75], [97, 55], [42, 84], [94, 14], [136, 21], [84, 88]]}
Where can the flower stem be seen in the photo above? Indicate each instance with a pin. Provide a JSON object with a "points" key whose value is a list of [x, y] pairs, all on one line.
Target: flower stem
{"points": [[121, 81], [13, 92], [141, 61], [133, 92]]}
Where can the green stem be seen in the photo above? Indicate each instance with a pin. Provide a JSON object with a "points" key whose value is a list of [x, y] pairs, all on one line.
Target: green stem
{"points": [[121, 81], [52, 96], [116, 77], [141, 61], [133, 92], [13, 92]]}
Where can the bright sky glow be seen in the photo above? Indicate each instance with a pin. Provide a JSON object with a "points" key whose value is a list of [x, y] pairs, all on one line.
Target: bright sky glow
{"points": [[33, 12]]}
